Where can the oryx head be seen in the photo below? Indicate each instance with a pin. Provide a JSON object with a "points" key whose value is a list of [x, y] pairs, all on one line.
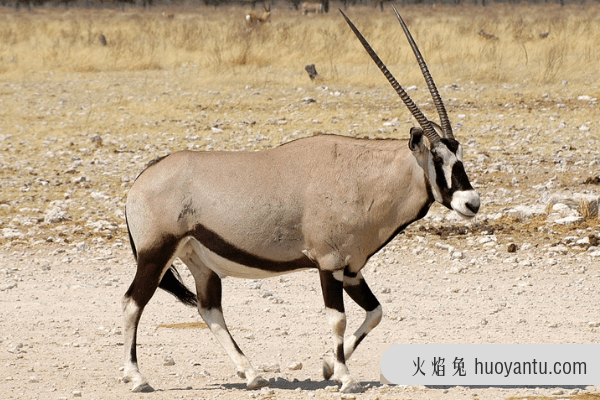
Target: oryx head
{"points": [[442, 160]]}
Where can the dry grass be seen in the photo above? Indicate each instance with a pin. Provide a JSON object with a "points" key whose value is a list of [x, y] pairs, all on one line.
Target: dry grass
{"points": [[161, 85], [218, 40], [185, 325]]}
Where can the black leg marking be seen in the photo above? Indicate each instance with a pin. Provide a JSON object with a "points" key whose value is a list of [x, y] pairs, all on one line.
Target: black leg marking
{"points": [[332, 291], [360, 292], [150, 266]]}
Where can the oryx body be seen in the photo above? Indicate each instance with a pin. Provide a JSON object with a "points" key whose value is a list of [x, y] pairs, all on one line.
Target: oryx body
{"points": [[325, 202]]}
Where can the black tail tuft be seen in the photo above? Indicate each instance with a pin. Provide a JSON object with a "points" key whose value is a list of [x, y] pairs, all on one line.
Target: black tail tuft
{"points": [[172, 283]]}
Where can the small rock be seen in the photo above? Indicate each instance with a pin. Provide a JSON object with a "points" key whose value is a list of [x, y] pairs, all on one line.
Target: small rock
{"points": [[8, 286], [557, 392], [216, 130], [98, 196], [76, 393], [571, 220], [560, 249], [593, 324], [271, 368], [457, 255], [511, 248], [10, 234], [16, 348], [168, 361], [82, 246], [55, 215], [295, 366]]}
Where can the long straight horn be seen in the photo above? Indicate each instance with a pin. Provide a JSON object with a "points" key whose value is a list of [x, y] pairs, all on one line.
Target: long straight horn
{"points": [[421, 119], [445, 122]]}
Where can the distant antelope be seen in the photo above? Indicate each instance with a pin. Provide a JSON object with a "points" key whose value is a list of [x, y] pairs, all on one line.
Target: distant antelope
{"points": [[168, 16], [255, 20], [326, 202], [308, 7], [486, 35]]}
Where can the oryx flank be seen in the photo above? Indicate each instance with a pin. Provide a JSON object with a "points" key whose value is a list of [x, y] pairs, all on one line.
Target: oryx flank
{"points": [[325, 202], [255, 20], [310, 7]]}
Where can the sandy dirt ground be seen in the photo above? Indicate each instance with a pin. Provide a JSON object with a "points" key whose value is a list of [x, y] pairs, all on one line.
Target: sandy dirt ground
{"points": [[527, 270]]}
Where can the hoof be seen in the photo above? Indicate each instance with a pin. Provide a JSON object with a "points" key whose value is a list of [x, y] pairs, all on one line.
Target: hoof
{"points": [[258, 382], [142, 388], [352, 386], [327, 366]]}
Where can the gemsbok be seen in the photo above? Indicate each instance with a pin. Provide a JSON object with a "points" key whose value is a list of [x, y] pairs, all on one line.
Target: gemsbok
{"points": [[310, 7], [254, 20], [326, 202]]}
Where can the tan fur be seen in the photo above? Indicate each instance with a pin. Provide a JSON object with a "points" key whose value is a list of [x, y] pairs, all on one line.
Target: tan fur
{"points": [[254, 20], [334, 197]]}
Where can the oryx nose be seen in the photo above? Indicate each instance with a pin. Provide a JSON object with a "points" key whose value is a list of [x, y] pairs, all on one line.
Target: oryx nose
{"points": [[473, 203], [473, 207]]}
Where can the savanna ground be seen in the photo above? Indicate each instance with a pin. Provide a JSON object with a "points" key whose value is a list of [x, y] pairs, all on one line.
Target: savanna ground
{"points": [[79, 120]]}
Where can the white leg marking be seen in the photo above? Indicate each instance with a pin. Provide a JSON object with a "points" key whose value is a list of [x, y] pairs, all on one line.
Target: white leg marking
{"points": [[215, 321], [341, 374], [338, 275], [132, 373], [372, 319]]}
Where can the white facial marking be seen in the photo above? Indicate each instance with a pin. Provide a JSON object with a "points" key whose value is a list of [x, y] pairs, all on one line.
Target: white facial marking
{"points": [[461, 198]]}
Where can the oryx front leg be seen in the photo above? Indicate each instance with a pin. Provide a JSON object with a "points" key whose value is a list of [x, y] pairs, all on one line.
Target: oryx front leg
{"points": [[359, 291], [332, 285], [208, 286]]}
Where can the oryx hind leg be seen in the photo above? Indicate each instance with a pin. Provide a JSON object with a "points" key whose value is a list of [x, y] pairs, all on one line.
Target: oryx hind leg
{"points": [[332, 284], [358, 290], [209, 289], [151, 265]]}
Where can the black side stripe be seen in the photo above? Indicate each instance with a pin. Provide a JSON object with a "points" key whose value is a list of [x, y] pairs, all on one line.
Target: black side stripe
{"points": [[223, 248]]}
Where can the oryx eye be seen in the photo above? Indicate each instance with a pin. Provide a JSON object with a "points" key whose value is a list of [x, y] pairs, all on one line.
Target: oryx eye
{"points": [[436, 159]]}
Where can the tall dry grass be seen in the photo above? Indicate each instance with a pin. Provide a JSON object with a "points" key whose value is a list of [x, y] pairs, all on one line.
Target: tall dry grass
{"points": [[218, 40]]}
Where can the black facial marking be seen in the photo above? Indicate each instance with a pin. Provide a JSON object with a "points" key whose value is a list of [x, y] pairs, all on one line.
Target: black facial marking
{"points": [[440, 181], [451, 144], [460, 181], [220, 246]]}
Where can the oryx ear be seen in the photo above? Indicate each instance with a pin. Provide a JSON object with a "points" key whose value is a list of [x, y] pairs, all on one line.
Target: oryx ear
{"points": [[438, 129], [415, 142]]}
